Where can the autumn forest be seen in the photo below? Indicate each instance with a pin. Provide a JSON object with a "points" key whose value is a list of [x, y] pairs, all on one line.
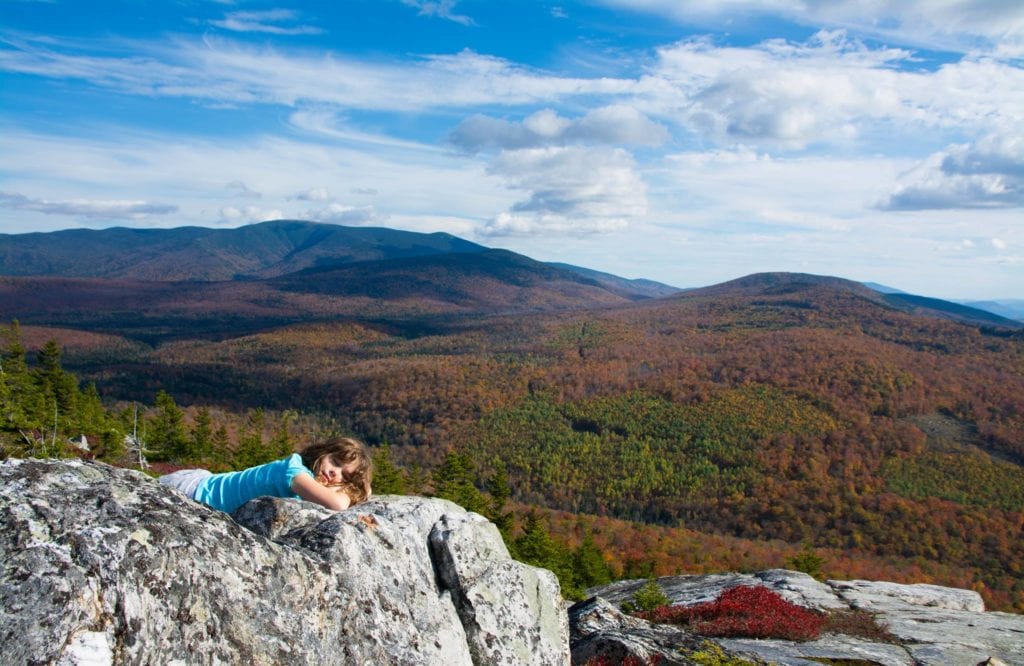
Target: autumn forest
{"points": [[766, 422]]}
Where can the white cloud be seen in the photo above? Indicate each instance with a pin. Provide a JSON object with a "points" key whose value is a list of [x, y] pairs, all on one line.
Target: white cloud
{"points": [[440, 8], [618, 124], [336, 213], [998, 244], [986, 174], [231, 215], [570, 190], [994, 26], [87, 208], [265, 21], [830, 89], [314, 194]]}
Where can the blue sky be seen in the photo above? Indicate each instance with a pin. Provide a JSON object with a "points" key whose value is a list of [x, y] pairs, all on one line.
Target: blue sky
{"points": [[682, 141]]}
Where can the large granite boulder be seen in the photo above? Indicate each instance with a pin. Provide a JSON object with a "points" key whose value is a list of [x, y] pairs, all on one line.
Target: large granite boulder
{"points": [[930, 625], [101, 565]]}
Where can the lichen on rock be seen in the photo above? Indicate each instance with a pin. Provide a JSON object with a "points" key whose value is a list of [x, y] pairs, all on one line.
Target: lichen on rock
{"points": [[99, 563]]}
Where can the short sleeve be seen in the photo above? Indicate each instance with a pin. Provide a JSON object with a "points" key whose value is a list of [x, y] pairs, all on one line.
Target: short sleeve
{"points": [[294, 468]]}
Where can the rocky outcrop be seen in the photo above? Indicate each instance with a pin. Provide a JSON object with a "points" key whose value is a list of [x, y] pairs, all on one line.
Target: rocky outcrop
{"points": [[930, 625], [100, 565]]}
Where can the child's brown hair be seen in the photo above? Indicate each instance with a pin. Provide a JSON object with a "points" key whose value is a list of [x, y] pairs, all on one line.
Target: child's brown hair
{"points": [[342, 451]]}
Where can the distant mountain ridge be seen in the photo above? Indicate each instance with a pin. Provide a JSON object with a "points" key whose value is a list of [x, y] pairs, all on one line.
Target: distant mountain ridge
{"points": [[263, 250], [1010, 307], [782, 284], [289, 262]]}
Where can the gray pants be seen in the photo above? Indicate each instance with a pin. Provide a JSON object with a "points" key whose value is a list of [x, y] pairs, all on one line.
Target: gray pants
{"points": [[185, 480]]}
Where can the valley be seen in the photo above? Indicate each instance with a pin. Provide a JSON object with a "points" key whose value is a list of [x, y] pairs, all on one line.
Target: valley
{"points": [[765, 413]]}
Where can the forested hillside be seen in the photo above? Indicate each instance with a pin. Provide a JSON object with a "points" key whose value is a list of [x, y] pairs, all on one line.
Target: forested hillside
{"points": [[795, 413], [200, 254]]}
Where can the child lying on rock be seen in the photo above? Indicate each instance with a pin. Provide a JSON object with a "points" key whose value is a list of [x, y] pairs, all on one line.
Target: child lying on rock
{"points": [[335, 474]]}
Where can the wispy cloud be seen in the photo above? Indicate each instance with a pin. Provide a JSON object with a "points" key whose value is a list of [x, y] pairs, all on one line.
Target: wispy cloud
{"points": [[240, 189], [618, 124], [267, 21], [831, 89], [996, 28], [441, 9], [86, 208], [220, 71]]}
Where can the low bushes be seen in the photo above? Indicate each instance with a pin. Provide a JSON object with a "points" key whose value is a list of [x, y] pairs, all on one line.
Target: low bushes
{"points": [[745, 611]]}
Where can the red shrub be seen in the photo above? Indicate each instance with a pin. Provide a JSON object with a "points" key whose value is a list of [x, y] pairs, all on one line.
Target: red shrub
{"points": [[745, 611], [602, 660]]}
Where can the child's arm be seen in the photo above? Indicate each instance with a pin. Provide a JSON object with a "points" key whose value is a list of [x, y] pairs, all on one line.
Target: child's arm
{"points": [[312, 490]]}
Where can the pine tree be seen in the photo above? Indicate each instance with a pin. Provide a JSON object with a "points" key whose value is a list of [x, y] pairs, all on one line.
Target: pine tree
{"points": [[453, 480], [648, 597], [221, 448], [22, 404], [201, 444], [807, 561], [588, 565], [387, 478], [165, 437], [536, 546], [59, 386], [281, 443], [251, 449], [500, 492], [111, 446], [90, 417]]}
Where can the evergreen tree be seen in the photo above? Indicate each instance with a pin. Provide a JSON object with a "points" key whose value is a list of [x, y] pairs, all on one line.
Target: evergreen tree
{"points": [[22, 405], [415, 480], [453, 480], [252, 450], [500, 492], [110, 447], [536, 546], [648, 597], [165, 436], [221, 448], [588, 565], [201, 444], [90, 416], [281, 442], [387, 478], [59, 387], [807, 561]]}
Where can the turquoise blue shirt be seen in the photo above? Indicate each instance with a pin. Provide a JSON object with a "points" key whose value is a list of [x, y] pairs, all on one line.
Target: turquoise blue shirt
{"points": [[230, 490]]}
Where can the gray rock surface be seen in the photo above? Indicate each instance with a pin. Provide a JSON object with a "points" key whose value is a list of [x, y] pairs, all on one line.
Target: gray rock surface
{"points": [[811, 653], [931, 625], [599, 629], [493, 593], [100, 565], [881, 595], [793, 586]]}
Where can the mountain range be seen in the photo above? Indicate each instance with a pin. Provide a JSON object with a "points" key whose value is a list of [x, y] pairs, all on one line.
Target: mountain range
{"points": [[287, 271]]}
